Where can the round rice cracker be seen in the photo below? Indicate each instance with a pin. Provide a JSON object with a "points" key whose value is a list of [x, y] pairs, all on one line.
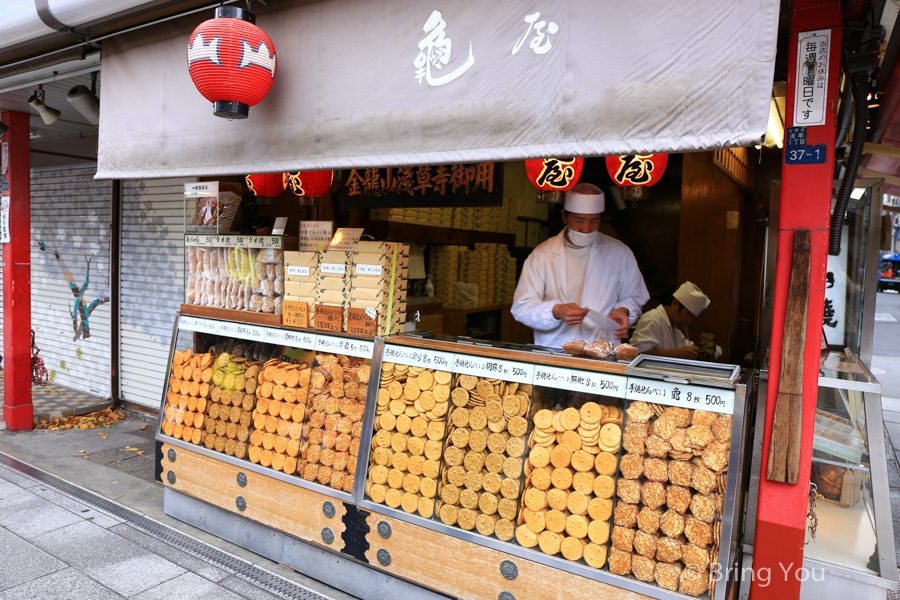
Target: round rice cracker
{"points": [[595, 555]]}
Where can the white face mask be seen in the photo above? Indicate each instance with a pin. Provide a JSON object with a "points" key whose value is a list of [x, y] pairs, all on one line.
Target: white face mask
{"points": [[581, 240]]}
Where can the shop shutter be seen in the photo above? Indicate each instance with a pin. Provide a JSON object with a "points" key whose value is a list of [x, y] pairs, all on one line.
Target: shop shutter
{"points": [[70, 224], [152, 286]]}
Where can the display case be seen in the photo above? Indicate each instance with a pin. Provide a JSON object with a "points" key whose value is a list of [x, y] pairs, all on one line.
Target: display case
{"points": [[613, 479]]}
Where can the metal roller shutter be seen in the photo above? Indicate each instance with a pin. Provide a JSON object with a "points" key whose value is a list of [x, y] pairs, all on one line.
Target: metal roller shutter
{"points": [[152, 286], [70, 227]]}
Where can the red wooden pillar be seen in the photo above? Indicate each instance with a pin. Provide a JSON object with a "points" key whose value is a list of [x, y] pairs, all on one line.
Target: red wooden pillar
{"points": [[805, 205], [17, 409]]}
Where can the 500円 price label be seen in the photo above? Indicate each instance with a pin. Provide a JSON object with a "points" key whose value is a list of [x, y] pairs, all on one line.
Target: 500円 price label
{"points": [[576, 380], [492, 368], [234, 241], [255, 333], [348, 347], [416, 357], [686, 396]]}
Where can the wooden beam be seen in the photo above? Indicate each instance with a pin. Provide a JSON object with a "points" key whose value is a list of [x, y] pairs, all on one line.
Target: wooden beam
{"points": [[883, 149], [870, 174]]}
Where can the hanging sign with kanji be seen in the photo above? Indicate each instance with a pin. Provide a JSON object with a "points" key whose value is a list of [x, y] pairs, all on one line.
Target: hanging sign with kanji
{"points": [[478, 184], [636, 170]]}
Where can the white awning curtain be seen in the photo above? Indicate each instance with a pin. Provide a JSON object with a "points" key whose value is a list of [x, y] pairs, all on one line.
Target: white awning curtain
{"points": [[365, 84]]}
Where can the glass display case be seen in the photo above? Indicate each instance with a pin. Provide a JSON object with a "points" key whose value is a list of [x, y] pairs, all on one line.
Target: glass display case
{"points": [[854, 529]]}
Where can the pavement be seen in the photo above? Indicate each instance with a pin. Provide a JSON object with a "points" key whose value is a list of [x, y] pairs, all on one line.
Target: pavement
{"points": [[886, 367], [50, 401], [55, 545]]}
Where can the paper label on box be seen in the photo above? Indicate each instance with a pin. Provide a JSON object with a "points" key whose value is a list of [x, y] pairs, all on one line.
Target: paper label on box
{"points": [[417, 357], [332, 268], [329, 318], [201, 189], [295, 314], [576, 380], [295, 271], [345, 238], [347, 347], [314, 235], [493, 368], [360, 323], [370, 270], [686, 396]]}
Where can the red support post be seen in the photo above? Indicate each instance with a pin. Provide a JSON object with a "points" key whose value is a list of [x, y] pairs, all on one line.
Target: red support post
{"points": [[17, 408], [806, 194]]}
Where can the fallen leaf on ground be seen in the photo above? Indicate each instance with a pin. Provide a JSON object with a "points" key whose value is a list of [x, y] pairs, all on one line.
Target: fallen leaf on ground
{"points": [[144, 426], [100, 418]]}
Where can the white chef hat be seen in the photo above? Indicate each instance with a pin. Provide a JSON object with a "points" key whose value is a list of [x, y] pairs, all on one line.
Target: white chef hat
{"points": [[692, 298], [585, 199]]}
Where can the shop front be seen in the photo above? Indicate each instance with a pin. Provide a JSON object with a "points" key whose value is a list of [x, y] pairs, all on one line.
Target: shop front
{"points": [[367, 411]]}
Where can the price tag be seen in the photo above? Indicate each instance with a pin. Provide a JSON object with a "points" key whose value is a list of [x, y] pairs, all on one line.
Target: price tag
{"points": [[329, 317], [295, 271], [300, 339], [417, 357], [359, 322], [201, 189], [685, 396], [234, 241], [368, 270], [493, 368], [295, 314], [576, 380], [347, 347], [332, 268]]}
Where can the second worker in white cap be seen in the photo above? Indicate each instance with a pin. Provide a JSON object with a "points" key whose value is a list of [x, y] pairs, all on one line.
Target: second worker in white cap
{"points": [[580, 284], [657, 331]]}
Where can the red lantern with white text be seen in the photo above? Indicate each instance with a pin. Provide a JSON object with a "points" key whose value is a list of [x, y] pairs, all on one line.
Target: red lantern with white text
{"points": [[554, 174], [231, 61], [266, 184], [309, 183], [636, 170]]}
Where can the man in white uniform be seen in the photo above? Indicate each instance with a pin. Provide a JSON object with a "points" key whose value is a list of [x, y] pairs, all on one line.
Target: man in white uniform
{"points": [[657, 331], [580, 284]]}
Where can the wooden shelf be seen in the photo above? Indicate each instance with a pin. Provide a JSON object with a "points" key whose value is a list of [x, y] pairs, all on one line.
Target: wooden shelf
{"points": [[391, 231]]}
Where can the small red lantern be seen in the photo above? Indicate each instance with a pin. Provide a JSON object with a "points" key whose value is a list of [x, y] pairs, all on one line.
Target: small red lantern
{"points": [[231, 61], [636, 170], [554, 174], [266, 184], [309, 183]]}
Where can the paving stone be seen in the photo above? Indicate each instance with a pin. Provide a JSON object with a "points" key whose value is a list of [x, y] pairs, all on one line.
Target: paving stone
{"points": [[66, 584], [21, 561], [17, 478], [890, 404], [112, 560], [29, 516], [84, 511], [188, 586], [182, 559], [891, 416]]}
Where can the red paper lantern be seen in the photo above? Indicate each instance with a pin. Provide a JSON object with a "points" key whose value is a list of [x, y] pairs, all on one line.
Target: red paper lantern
{"points": [[636, 170], [309, 183], [554, 174], [232, 62], [266, 184]]}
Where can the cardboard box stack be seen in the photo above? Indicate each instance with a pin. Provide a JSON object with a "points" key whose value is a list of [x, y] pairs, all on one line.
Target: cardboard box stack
{"points": [[333, 281], [301, 270], [489, 266], [379, 278], [479, 218]]}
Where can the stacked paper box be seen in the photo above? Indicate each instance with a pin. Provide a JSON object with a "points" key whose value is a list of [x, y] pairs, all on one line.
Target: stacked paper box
{"points": [[333, 280], [379, 278], [300, 273]]}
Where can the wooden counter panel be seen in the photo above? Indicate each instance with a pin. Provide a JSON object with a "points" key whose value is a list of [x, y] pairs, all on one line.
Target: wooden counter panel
{"points": [[466, 570], [288, 508], [552, 360]]}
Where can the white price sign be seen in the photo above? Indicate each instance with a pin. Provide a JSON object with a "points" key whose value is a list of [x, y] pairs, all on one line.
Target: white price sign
{"points": [[295, 271], [234, 241], [332, 268], [493, 368], [417, 357], [268, 335], [373, 270], [576, 380], [685, 396], [813, 53], [314, 235], [345, 346], [202, 189]]}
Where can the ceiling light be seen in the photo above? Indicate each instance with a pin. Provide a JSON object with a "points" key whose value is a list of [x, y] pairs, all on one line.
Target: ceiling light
{"points": [[48, 114], [85, 100], [858, 193]]}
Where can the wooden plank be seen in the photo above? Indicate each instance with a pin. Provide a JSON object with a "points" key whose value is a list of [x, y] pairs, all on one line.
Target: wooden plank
{"points": [[226, 314], [468, 570], [787, 425], [282, 506], [553, 360]]}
